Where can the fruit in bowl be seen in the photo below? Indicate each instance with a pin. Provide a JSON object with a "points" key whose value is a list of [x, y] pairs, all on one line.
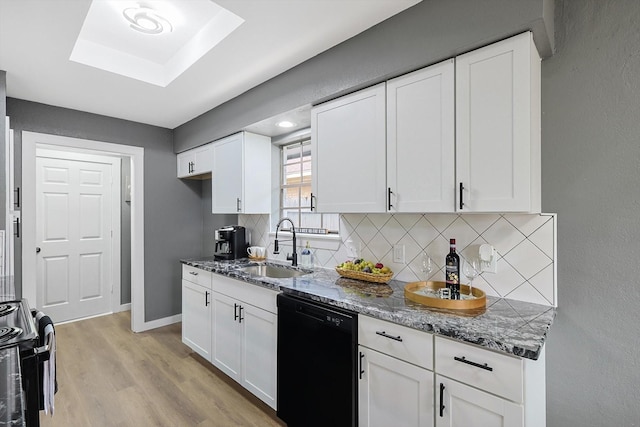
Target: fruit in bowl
{"points": [[364, 266]]}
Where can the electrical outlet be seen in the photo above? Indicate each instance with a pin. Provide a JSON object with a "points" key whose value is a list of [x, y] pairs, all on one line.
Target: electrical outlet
{"points": [[398, 254]]}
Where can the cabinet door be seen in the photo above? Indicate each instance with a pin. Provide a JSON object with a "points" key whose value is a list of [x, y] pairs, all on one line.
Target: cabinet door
{"points": [[348, 152], [497, 127], [259, 339], [203, 159], [420, 140], [186, 163], [227, 183], [393, 393], [196, 318], [226, 354], [459, 405]]}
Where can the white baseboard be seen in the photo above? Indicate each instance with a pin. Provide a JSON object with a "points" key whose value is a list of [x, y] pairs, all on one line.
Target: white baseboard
{"points": [[158, 323], [123, 307]]}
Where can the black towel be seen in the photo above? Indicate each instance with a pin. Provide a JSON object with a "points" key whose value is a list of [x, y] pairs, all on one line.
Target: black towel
{"points": [[47, 369]]}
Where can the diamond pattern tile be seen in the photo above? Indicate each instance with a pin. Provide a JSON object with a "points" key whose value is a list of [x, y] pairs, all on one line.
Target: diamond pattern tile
{"points": [[392, 231], [441, 221], [480, 222], [543, 282], [527, 259], [543, 238], [423, 232], [527, 224], [526, 292], [366, 230], [407, 221], [503, 236], [525, 245], [505, 280], [462, 232]]}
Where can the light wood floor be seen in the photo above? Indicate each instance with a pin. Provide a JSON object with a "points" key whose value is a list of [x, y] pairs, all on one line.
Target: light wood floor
{"points": [[109, 376]]}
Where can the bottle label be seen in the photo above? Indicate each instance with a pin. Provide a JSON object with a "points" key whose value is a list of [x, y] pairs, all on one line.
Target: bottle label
{"points": [[451, 274]]}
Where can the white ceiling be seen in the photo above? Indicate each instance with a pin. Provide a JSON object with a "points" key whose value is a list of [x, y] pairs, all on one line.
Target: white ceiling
{"points": [[37, 38]]}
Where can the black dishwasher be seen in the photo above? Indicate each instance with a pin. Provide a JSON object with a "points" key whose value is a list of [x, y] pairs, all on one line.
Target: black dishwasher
{"points": [[317, 346]]}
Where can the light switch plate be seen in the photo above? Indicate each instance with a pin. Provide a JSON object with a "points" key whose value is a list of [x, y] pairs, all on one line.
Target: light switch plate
{"points": [[398, 254]]}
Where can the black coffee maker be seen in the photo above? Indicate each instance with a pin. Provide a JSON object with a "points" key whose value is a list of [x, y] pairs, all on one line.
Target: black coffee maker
{"points": [[231, 243]]}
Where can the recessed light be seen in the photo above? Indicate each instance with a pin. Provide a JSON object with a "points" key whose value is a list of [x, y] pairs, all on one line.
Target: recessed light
{"points": [[146, 20], [285, 124]]}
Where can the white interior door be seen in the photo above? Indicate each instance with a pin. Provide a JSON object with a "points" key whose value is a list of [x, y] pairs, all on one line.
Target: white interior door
{"points": [[75, 198]]}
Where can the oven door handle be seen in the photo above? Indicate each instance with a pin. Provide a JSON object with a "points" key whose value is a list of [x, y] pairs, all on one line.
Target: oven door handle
{"points": [[42, 354]]}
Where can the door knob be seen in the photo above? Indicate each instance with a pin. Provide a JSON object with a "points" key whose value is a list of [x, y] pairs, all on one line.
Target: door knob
{"points": [[37, 250]]}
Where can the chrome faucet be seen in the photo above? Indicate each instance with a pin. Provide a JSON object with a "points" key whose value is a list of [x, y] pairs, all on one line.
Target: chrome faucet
{"points": [[276, 250]]}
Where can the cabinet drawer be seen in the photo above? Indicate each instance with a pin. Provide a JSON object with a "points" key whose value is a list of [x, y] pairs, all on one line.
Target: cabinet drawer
{"points": [[196, 275], [404, 343], [246, 292], [502, 375]]}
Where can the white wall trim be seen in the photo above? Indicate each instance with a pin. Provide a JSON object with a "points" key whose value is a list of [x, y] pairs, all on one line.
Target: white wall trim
{"points": [[158, 323], [122, 307], [29, 141]]}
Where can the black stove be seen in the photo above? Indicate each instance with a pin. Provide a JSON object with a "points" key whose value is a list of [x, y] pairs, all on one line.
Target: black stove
{"points": [[17, 325], [7, 308], [18, 330]]}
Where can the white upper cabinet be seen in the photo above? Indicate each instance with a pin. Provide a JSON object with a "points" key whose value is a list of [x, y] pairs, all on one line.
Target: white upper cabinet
{"points": [[348, 145], [458, 138], [498, 127], [241, 177], [196, 162], [421, 141]]}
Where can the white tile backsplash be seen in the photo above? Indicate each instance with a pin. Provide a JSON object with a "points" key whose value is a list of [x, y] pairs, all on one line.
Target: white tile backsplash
{"points": [[526, 246]]}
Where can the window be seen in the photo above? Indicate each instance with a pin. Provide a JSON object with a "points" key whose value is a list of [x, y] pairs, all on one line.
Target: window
{"points": [[295, 191]]}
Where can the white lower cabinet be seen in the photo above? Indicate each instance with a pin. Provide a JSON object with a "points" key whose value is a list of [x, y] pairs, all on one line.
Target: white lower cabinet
{"points": [[479, 387], [462, 406], [226, 331], [196, 318], [393, 392], [196, 310], [410, 378], [395, 379], [234, 325], [245, 336]]}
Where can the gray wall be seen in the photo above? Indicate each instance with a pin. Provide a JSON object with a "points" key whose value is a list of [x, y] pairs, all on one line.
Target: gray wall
{"points": [[591, 178], [427, 33], [172, 208]]}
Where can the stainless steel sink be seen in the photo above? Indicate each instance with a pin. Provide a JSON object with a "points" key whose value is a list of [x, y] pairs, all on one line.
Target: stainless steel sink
{"points": [[273, 271]]}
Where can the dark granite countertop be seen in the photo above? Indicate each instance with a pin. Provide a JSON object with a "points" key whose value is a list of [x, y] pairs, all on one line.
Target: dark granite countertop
{"points": [[513, 327]]}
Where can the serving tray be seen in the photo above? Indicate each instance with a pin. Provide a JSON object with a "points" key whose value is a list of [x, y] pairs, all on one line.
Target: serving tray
{"points": [[426, 293]]}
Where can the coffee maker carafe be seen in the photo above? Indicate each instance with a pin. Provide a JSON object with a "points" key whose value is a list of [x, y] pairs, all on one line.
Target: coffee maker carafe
{"points": [[231, 243]]}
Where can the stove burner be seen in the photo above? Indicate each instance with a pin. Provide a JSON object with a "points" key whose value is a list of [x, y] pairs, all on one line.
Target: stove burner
{"points": [[6, 333], [7, 308]]}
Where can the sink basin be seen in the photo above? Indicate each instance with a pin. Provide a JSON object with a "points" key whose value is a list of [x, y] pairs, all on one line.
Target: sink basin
{"points": [[273, 271]]}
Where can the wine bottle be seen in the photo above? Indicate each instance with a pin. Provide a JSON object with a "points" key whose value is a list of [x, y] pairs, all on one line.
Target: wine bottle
{"points": [[452, 270]]}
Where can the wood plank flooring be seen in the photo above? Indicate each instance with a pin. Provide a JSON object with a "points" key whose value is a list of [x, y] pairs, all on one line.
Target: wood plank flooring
{"points": [[110, 376]]}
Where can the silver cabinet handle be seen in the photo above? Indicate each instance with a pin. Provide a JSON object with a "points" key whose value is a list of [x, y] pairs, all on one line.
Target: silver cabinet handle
{"points": [[238, 204], [193, 273]]}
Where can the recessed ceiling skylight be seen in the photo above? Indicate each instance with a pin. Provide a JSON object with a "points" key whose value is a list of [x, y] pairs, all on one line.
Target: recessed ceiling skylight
{"points": [[116, 36]]}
